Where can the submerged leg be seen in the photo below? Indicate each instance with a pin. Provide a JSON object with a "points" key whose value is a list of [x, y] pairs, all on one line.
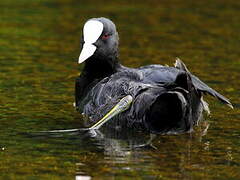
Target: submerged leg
{"points": [[64, 130], [121, 106]]}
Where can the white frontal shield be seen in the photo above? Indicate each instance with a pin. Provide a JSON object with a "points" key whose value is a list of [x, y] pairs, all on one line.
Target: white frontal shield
{"points": [[91, 32]]}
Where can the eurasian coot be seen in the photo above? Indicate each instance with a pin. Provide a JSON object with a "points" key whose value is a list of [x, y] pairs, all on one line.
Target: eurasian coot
{"points": [[155, 98]]}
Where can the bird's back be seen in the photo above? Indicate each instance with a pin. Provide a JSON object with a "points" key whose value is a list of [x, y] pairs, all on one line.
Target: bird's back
{"points": [[107, 93]]}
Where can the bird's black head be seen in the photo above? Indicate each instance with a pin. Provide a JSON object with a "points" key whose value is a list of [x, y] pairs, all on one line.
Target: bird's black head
{"points": [[99, 41]]}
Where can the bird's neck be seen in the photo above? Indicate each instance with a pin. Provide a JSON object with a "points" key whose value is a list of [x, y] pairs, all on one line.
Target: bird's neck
{"points": [[99, 69]]}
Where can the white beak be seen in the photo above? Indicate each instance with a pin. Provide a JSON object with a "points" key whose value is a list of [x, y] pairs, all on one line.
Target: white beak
{"points": [[92, 30], [87, 51]]}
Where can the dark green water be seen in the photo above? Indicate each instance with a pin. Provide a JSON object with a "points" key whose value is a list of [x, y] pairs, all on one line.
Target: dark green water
{"points": [[39, 47]]}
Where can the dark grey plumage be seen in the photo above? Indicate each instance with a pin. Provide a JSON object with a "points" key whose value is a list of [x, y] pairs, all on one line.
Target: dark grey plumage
{"points": [[165, 99]]}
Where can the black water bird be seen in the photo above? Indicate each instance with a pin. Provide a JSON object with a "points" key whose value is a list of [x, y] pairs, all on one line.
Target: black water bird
{"points": [[155, 98]]}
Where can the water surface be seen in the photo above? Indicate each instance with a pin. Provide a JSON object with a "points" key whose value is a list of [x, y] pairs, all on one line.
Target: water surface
{"points": [[39, 47]]}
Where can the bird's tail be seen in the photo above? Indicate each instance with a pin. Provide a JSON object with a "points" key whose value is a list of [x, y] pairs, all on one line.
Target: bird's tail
{"points": [[200, 86]]}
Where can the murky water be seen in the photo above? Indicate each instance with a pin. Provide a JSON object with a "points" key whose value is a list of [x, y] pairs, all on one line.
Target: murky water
{"points": [[39, 47]]}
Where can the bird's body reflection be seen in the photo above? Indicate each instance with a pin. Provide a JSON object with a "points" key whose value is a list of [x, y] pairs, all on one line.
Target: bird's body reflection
{"points": [[114, 151]]}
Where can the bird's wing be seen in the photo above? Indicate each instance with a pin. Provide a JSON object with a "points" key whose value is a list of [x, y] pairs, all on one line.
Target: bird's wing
{"points": [[164, 74]]}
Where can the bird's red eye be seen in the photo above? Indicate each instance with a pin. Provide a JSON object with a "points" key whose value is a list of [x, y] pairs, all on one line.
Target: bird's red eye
{"points": [[105, 36]]}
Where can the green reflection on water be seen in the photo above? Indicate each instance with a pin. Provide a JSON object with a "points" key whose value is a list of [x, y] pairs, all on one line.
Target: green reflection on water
{"points": [[39, 45]]}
